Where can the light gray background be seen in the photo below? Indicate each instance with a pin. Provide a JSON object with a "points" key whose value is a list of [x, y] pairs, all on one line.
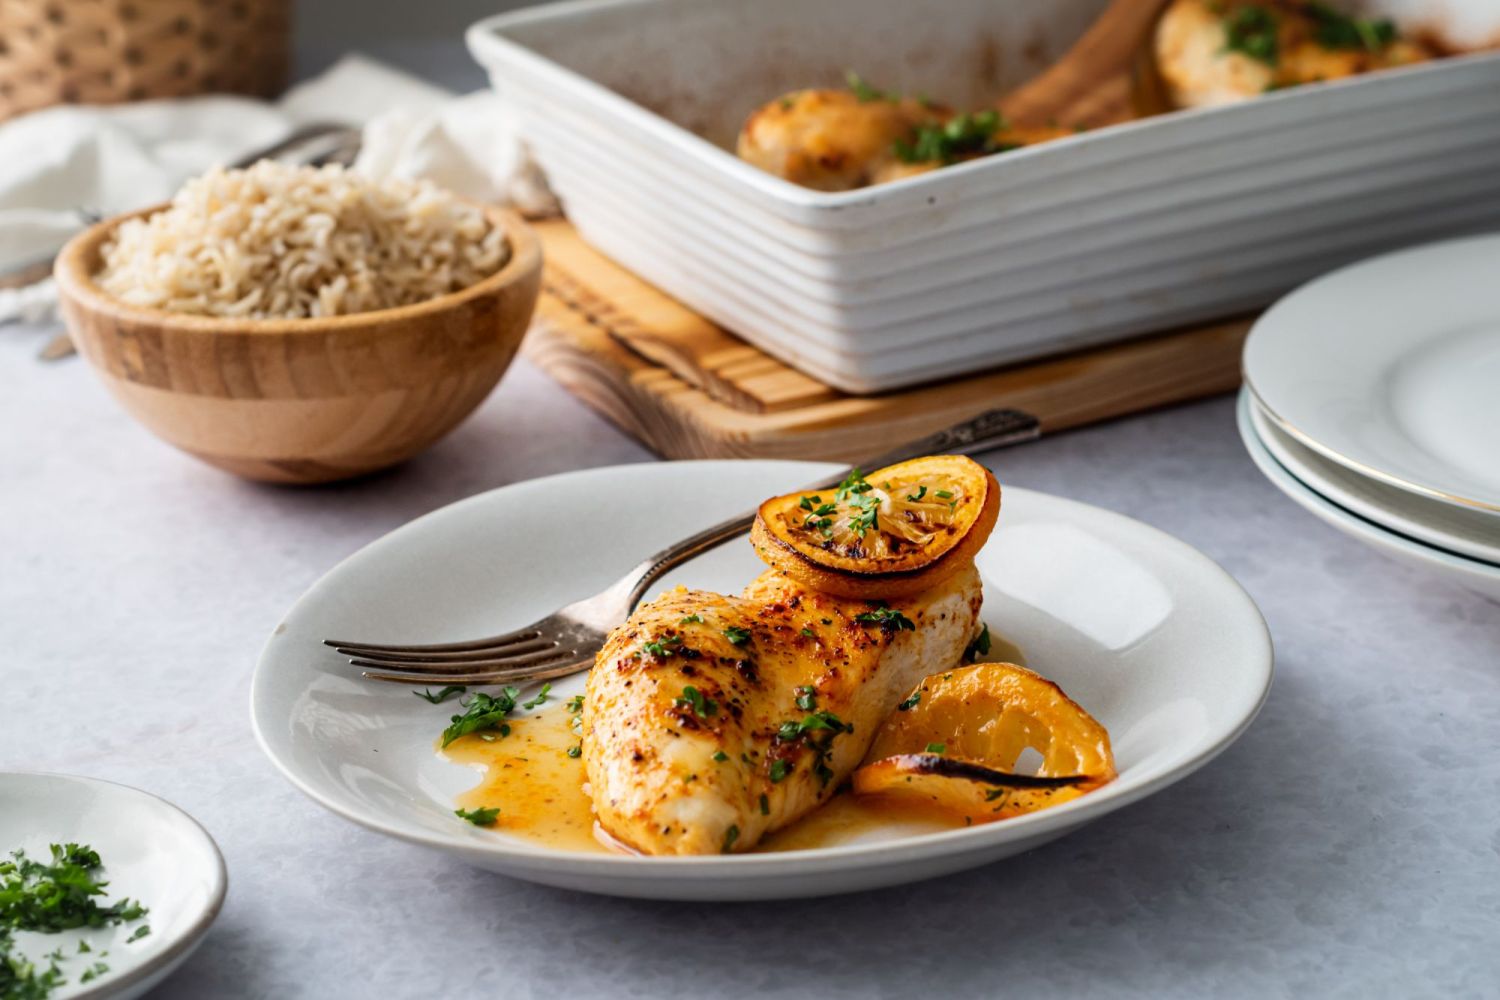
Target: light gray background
{"points": [[1348, 845]]}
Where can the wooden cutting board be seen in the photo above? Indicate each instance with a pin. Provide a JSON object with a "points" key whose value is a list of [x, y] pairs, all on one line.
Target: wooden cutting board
{"points": [[687, 388]]}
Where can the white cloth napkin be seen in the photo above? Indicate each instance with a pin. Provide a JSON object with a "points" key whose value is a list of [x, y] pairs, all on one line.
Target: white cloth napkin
{"points": [[58, 164]]}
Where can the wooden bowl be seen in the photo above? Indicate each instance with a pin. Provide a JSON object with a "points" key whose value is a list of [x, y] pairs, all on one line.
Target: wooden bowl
{"points": [[303, 400]]}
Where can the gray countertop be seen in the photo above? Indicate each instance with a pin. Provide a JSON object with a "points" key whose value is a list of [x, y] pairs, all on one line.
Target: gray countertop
{"points": [[1349, 844]]}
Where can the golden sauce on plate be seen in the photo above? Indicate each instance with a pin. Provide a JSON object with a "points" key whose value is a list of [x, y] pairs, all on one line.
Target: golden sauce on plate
{"points": [[538, 789]]}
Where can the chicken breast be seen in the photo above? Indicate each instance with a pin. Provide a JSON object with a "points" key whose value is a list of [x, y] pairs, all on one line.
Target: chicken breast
{"points": [[711, 720]]}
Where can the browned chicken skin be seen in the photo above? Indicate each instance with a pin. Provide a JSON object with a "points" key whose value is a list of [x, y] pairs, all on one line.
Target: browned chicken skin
{"points": [[711, 720]]}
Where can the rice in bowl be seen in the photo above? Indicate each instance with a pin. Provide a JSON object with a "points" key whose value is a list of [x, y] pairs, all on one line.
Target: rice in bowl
{"points": [[281, 242]]}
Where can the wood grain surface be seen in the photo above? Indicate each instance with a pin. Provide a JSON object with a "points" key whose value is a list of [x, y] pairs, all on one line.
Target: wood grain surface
{"points": [[689, 389]]}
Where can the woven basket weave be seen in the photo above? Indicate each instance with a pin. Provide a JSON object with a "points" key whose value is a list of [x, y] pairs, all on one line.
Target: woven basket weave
{"points": [[108, 51]]}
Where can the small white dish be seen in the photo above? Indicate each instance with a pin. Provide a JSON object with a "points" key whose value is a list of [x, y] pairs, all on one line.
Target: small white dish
{"points": [[1480, 577], [1462, 530], [152, 852], [1147, 633], [1389, 368]]}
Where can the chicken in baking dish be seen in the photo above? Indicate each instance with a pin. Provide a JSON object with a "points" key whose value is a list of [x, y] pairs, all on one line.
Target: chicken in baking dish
{"points": [[1212, 52], [838, 140], [1206, 52]]}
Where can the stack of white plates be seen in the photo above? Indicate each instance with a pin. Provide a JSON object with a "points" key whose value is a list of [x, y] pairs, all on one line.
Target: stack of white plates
{"points": [[1372, 399]]}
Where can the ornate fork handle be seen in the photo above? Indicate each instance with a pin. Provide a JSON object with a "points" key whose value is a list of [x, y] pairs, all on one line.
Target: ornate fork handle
{"points": [[991, 429]]}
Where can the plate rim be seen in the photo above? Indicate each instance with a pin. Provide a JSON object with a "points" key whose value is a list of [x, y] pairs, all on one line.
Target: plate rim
{"points": [[1319, 285], [1331, 491], [976, 839], [179, 950], [1324, 508]]}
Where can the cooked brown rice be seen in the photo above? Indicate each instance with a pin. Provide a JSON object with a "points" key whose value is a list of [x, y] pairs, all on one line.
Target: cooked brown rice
{"points": [[282, 242]]}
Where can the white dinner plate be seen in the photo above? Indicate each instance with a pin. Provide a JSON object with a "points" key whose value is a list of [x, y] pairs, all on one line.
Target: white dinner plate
{"points": [[1390, 367], [1145, 632], [152, 852], [1481, 577], [1462, 530]]}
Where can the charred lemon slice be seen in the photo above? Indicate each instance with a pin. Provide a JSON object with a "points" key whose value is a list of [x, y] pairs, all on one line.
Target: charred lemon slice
{"points": [[892, 533], [955, 744]]}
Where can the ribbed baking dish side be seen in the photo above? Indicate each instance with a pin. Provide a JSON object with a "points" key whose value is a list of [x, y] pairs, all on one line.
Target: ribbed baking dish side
{"points": [[1108, 234]]}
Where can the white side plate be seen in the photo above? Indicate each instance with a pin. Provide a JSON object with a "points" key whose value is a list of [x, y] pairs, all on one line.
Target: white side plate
{"points": [[1480, 577], [1463, 530], [1390, 367], [152, 852], [1144, 631]]}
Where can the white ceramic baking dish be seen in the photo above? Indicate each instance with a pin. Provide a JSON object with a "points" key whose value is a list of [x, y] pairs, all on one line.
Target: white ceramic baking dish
{"points": [[631, 107]]}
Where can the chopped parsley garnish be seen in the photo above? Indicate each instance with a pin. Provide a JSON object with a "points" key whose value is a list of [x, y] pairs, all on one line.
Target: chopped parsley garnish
{"points": [[737, 636], [63, 894], [575, 704], [994, 793], [917, 496], [962, 135], [730, 836], [575, 751], [853, 485], [889, 619], [765, 806], [807, 698], [911, 702], [937, 747], [541, 696], [809, 633], [943, 494], [863, 92], [692, 620], [1251, 30], [661, 648], [485, 712], [808, 503], [868, 517], [720, 756], [693, 700], [826, 723], [479, 817], [980, 646], [1333, 29], [441, 696], [779, 770], [60, 895]]}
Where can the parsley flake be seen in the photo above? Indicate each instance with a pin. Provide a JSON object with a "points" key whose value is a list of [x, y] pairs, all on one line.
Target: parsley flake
{"points": [[479, 817], [694, 700], [485, 713], [979, 647], [737, 636], [441, 696], [889, 619]]}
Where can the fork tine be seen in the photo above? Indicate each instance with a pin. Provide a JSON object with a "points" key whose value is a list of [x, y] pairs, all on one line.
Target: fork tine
{"points": [[468, 646], [419, 668], [456, 658], [570, 665]]}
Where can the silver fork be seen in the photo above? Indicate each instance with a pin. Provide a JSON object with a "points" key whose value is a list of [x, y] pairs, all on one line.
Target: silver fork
{"points": [[565, 641]]}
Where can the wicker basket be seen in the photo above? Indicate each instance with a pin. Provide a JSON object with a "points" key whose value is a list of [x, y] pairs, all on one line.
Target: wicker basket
{"points": [[107, 51]]}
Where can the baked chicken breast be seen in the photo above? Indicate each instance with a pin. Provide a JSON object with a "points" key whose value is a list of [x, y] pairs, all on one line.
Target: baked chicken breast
{"points": [[711, 720]]}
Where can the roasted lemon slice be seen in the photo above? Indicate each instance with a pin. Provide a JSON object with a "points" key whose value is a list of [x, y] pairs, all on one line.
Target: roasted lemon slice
{"points": [[956, 740], [892, 533]]}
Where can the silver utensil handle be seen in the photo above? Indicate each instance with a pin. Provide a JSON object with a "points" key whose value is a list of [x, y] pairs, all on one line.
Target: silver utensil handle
{"points": [[991, 429]]}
